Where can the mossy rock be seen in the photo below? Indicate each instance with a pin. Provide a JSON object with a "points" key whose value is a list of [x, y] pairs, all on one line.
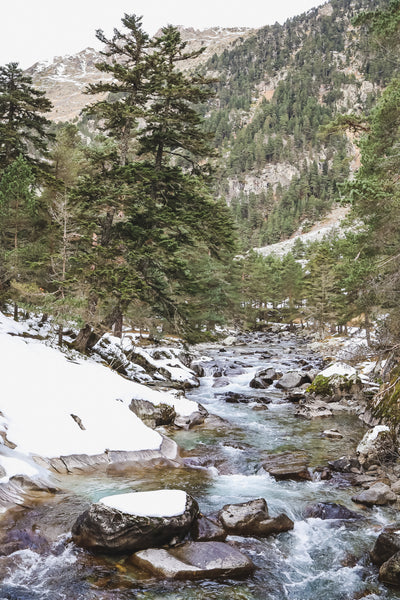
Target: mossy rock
{"points": [[320, 386], [388, 407]]}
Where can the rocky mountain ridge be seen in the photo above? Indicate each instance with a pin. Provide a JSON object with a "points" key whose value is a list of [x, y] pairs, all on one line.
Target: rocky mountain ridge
{"points": [[277, 87], [65, 77]]}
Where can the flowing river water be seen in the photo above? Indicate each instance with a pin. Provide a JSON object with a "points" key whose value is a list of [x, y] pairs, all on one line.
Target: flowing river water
{"points": [[317, 560]]}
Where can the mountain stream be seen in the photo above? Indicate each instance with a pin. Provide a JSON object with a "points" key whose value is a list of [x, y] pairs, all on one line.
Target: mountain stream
{"points": [[318, 559]]}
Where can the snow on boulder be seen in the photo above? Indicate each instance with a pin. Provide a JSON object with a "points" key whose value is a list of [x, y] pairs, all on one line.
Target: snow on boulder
{"points": [[376, 446], [157, 364], [136, 521], [160, 503], [338, 368], [10, 466]]}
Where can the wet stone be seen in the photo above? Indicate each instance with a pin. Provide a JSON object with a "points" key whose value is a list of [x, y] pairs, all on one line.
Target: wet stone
{"points": [[330, 510], [207, 529], [252, 518], [288, 465], [344, 464], [195, 560], [105, 529], [292, 380], [378, 494], [386, 544], [390, 571]]}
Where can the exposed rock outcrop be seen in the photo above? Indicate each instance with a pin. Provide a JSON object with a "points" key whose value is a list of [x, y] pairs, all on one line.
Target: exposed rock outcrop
{"points": [[377, 446], [151, 414]]}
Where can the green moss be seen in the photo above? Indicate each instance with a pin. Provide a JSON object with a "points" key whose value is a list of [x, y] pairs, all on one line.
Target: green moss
{"points": [[320, 386], [387, 403]]}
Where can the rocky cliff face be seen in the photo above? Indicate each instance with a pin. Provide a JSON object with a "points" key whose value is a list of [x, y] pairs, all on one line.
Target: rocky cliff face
{"points": [[64, 80]]}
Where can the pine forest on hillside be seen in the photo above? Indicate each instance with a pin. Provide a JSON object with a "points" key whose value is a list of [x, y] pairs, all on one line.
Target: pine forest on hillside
{"points": [[147, 207]]}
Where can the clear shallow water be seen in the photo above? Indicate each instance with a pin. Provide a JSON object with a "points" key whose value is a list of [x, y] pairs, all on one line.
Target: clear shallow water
{"points": [[318, 560]]}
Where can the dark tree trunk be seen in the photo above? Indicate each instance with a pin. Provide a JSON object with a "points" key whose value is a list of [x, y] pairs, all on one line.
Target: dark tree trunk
{"points": [[368, 329], [60, 335], [86, 339], [15, 312], [107, 227], [118, 325]]}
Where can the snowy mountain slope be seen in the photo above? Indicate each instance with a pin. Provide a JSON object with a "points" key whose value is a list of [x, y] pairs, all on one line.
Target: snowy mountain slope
{"points": [[65, 77]]}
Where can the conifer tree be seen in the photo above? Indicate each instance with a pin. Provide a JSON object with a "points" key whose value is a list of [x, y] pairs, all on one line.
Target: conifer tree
{"points": [[127, 61], [23, 126], [146, 198], [17, 208]]}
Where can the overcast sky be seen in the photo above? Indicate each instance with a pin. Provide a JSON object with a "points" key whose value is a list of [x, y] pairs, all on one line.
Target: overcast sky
{"points": [[32, 30]]}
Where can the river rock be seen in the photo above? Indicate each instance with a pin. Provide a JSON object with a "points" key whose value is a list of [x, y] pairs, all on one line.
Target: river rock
{"points": [[151, 414], [131, 522], [329, 510], [198, 368], [390, 571], [235, 398], [313, 408], [378, 494], [23, 539], [221, 382], [376, 446], [332, 434], [195, 560], [292, 379], [288, 465], [252, 518], [294, 396], [264, 378], [195, 418], [206, 529], [229, 341], [344, 464], [386, 544]]}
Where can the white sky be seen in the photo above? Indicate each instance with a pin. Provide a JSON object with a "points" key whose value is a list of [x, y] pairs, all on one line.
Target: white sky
{"points": [[32, 30]]}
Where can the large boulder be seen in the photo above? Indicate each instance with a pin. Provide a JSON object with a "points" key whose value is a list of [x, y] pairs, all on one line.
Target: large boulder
{"points": [[131, 522], [330, 510], [376, 446], [337, 382], [390, 571], [264, 378], [288, 465], [207, 529], [386, 544], [344, 464], [151, 414], [195, 560], [252, 518], [293, 379], [313, 408], [195, 418], [378, 494]]}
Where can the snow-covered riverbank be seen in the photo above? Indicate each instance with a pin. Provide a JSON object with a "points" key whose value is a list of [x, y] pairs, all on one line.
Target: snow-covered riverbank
{"points": [[61, 405]]}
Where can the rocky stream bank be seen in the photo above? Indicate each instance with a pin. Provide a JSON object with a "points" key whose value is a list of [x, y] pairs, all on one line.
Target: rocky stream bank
{"points": [[288, 485]]}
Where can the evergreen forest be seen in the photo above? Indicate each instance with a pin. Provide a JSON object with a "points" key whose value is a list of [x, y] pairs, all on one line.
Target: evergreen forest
{"points": [[147, 208]]}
